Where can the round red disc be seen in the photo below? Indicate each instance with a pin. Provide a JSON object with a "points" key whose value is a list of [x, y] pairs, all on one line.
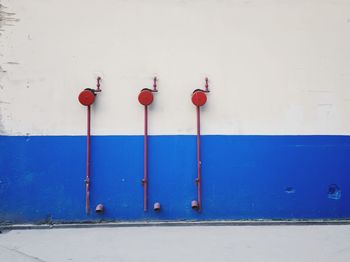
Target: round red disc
{"points": [[199, 98], [145, 97], [86, 98]]}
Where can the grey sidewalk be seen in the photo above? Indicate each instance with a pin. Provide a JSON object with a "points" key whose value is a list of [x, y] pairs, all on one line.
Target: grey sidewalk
{"points": [[177, 243]]}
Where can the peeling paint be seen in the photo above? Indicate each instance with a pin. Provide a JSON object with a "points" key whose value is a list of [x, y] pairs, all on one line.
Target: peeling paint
{"points": [[2, 128], [290, 190], [6, 19], [334, 192]]}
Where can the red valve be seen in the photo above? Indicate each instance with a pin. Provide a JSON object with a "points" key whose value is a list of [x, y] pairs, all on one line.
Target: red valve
{"points": [[199, 98], [87, 97], [146, 97]]}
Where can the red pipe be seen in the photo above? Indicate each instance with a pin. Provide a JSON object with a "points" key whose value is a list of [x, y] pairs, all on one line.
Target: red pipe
{"points": [[87, 98], [146, 98], [145, 162], [199, 157], [199, 99], [88, 139]]}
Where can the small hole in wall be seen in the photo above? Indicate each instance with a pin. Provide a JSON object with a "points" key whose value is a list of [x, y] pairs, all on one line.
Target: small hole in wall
{"points": [[334, 192], [289, 190]]}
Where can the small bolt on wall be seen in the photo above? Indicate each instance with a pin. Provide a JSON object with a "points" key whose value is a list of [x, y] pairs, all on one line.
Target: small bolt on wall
{"points": [[146, 98], [199, 98], [87, 98]]}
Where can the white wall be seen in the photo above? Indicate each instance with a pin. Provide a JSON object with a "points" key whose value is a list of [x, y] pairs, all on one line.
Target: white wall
{"points": [[275, 67]]}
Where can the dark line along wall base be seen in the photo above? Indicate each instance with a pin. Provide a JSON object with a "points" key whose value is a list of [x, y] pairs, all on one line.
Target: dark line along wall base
{"points": [[244, 177]]}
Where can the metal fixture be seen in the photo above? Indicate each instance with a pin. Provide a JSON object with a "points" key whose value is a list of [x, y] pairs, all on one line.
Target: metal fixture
{"points": [[99, 209], [146, 98], [194, 204], [199, 98], [87, 98], [156, 207]]}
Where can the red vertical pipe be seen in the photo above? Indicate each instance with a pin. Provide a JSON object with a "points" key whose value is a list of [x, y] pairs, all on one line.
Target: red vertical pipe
{"points": [[146, 98], [145, 162], [87, 206], [199, 157]]}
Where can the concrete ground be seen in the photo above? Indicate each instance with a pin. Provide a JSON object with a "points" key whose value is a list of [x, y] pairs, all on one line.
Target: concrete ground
{"points": [[179, 243]]}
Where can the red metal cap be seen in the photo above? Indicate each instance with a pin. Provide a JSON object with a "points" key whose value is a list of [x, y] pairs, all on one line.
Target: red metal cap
{"points": [[145, 97], [199, 98], [87, 97]]}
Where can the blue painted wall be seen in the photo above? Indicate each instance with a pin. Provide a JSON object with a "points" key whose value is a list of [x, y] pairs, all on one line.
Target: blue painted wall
{"points": [[244, 177]]}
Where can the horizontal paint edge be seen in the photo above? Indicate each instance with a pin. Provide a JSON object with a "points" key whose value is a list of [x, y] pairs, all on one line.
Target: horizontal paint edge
{"points": [[204, 135], [176, 223]]}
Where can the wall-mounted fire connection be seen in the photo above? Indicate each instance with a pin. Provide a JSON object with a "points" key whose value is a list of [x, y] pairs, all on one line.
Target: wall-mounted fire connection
{"points": [[87, 98], [146, 98], [199, 98]]}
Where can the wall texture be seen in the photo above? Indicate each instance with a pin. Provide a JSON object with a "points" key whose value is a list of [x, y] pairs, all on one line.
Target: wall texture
{"points": [[275, 126]]}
